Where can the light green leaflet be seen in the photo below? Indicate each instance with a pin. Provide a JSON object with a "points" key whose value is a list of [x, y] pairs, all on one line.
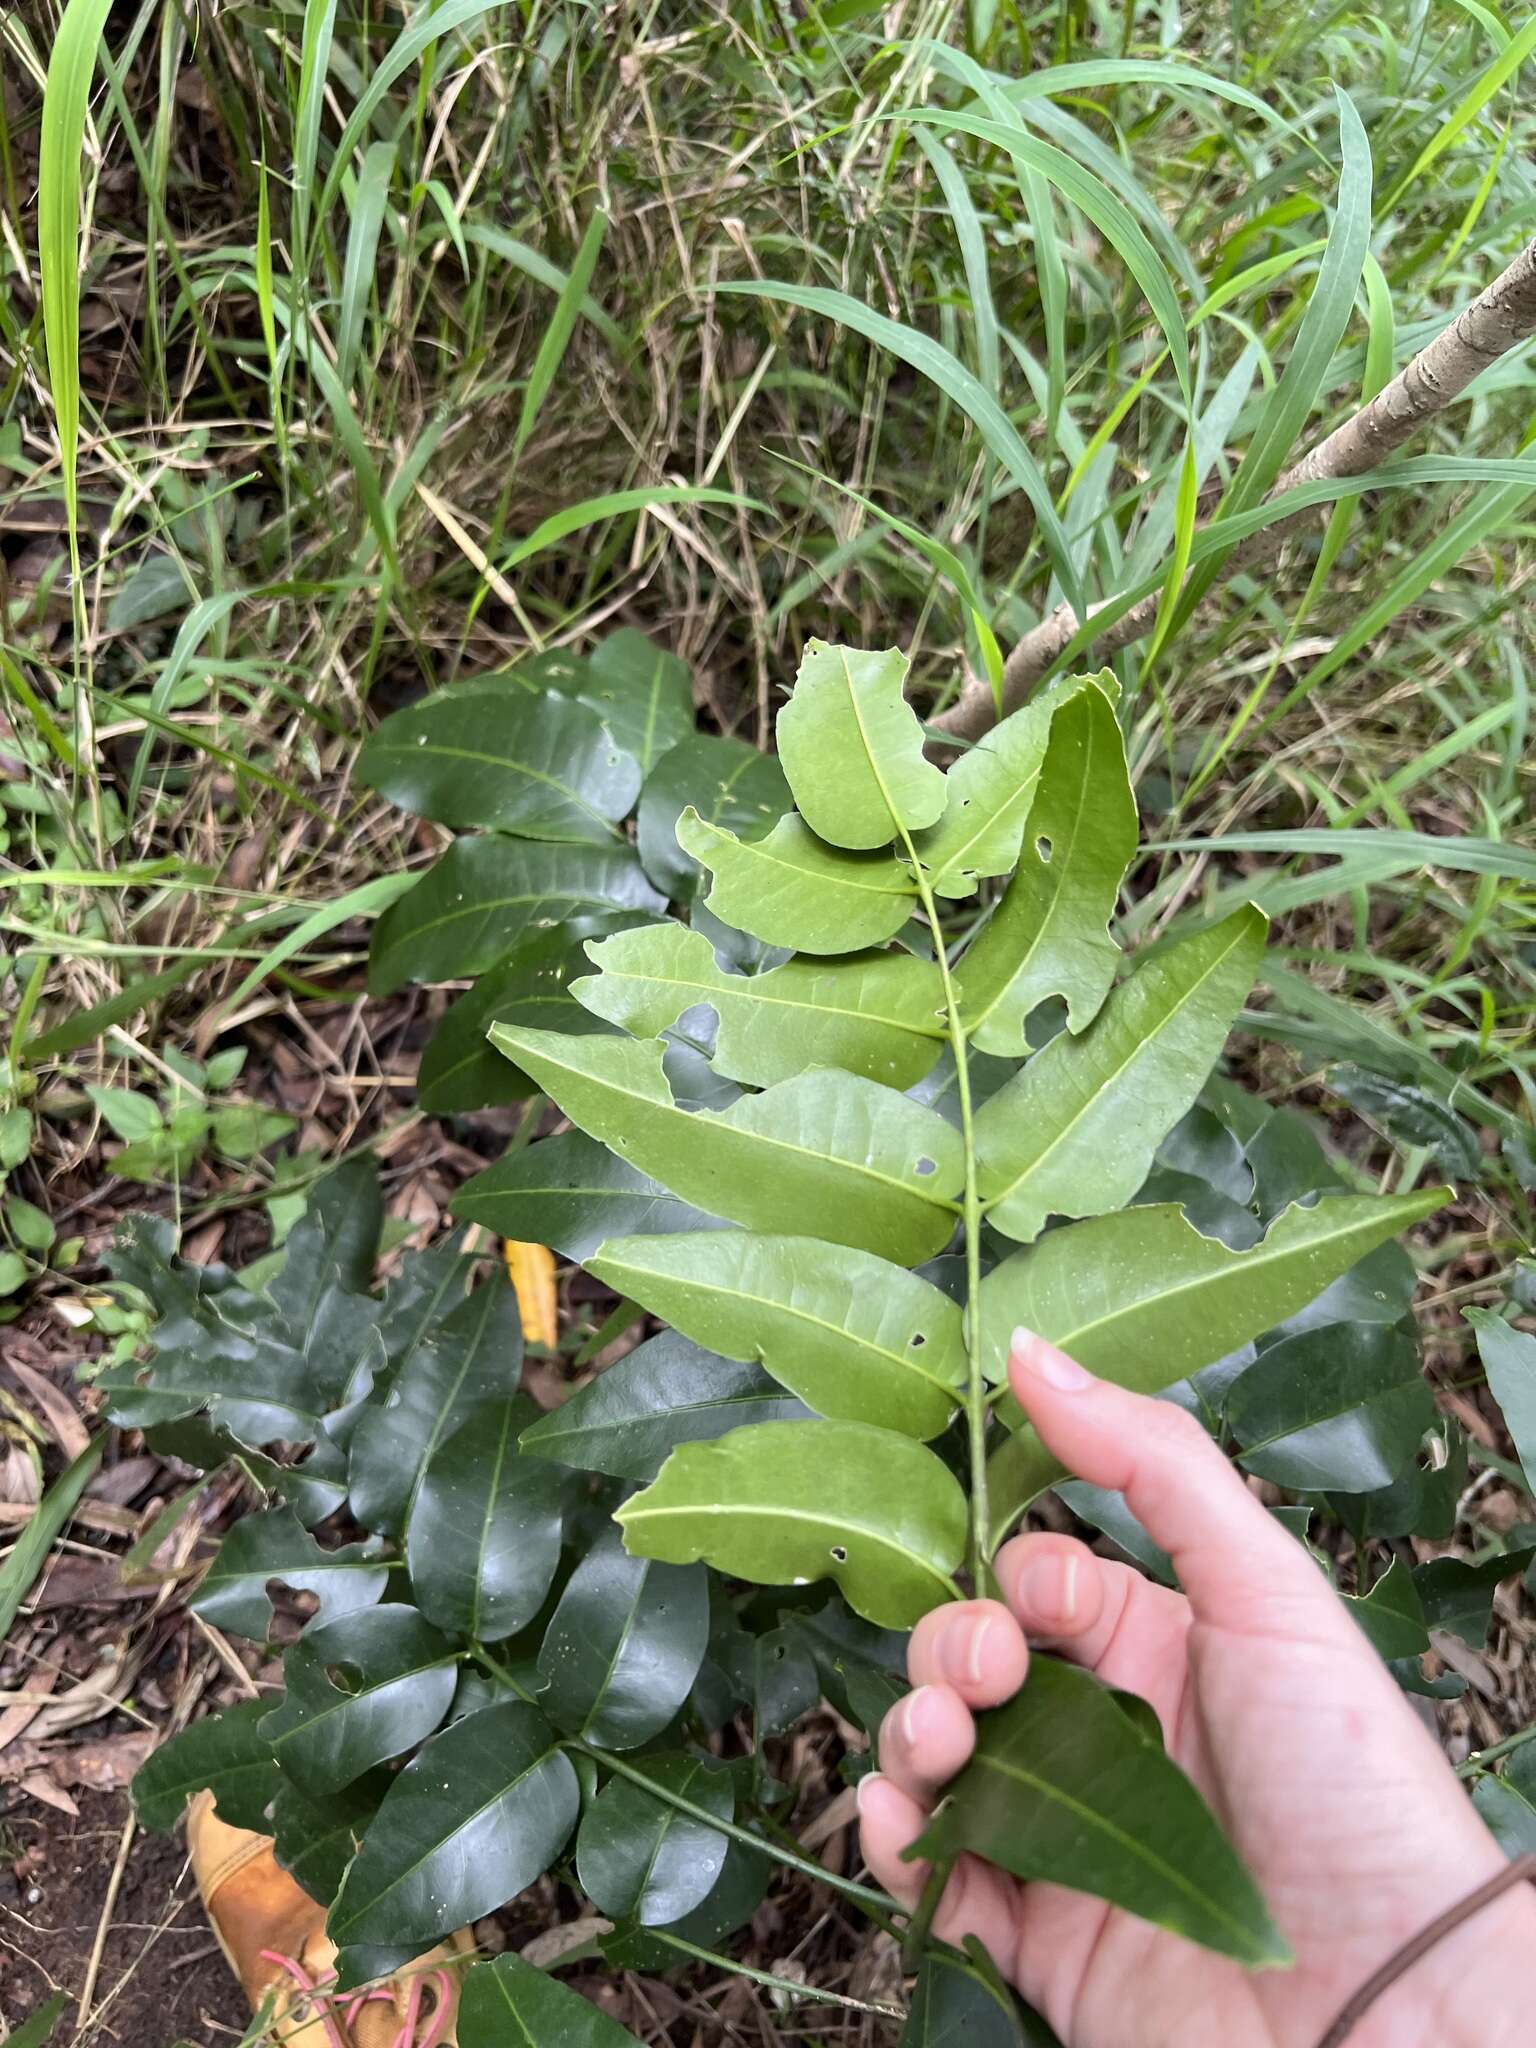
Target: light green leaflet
{"points": [[785, 1503], [858, 1339], [989, 792], [852, 748], [826, 1154], [792, 890], [1144, 1300], [1074, 1132], [1049, 936], [876, 1014]]}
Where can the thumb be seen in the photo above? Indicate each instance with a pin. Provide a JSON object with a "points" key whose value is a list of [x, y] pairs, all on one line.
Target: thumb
{"points": [[1240, 1569]]}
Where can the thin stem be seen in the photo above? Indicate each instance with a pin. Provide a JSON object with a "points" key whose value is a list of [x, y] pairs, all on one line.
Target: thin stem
{"points": [[976, 1394], [1481, 1759], [877, 1905], [806, 1993]]}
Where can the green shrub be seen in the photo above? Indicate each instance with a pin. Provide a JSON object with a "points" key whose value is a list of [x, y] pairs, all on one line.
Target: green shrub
{"points": [[877, 1088]]}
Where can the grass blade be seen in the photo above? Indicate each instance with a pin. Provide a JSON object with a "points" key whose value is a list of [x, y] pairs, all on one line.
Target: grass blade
{"points": [[30, 1551], [562, 324]]}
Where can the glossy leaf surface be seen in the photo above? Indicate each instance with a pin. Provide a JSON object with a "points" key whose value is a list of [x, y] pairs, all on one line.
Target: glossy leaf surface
{"points": [[668, 1391], [852, 748], [875, 1014], [483, 1539], [637, 1857], [1067, 1784], [460, 1069], [571, 1192], [361, 1689], [791, 889], [487, 895], [1509, 1359], [624, 1645], [224, 1752], [1075, 1133], [826, 1154], [989, 793], [1341, 1408], [509, 2001], [483, 1810], [858, 1339], [788, 1502], [542, 767], [1049, 935], [276, 1547], [643, 694]]}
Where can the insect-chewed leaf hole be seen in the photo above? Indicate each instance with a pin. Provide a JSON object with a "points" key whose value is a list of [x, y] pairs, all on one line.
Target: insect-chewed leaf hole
{"points": [[839, 1554]]}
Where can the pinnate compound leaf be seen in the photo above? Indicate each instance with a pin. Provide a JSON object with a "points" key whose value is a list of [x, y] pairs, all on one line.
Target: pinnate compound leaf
{"points": [[487, 894], [1509, 1360], [791, 889], [1143, 1299], [1049, 935], [276, 1546], [1074, 1134], [541, 767], [876, 1014], [224, 1753], [361, 1689], [638, 1857], [858, 1339], [570, 1192], [725, 782], [484, 1534], [1341, 1408], [484, 1809], [852, 748], [624, 1645], [1068, 1784], [667, 1392], [474, 1355], [509, 2001], [784, 1503], [460, 1069], [827, 1154]]}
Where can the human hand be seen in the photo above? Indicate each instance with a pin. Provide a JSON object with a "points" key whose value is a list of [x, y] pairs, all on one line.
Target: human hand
{"points": [[1330, 1787]]}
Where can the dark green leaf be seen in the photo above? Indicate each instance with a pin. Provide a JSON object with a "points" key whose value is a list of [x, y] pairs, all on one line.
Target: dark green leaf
{"points": [[542, 767], [624, 1645], [1074, 1134], [725, 782], [1509, 1360], [1412, 1116], [277, 1546], [639, 1857], [225, 1753], [483, 1538], [760, 1505], [1340, 1408], [828, 1155], [460, 1069], [334, 1246], [361, 1689], [509, 2002], [1458, 1597], [1507, 1804], [667, 1392], [571, 1192], [643, 694], [486, 895], [1049, 935], [852, 748], [875, 1014], [316, 1837], [1066, 1785], [737, 1895], [474, 1355], [1392, 1614], [469, 1823], [857, 1338], [955, 2006]]}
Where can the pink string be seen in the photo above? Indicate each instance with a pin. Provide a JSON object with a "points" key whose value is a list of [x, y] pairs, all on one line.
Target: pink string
{"points": [[336, 2031]]}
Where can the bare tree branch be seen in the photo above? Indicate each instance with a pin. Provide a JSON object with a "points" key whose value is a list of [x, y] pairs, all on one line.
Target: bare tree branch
{"points": [[1492, 325]]}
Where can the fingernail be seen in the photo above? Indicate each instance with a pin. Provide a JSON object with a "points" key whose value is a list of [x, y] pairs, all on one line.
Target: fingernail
{"points": [[869, 1778], [908, 1715], [1048, 1586], [1046, 1363], [962, 1653]]}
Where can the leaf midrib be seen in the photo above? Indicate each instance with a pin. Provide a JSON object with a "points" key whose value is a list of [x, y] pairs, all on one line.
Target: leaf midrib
{"points": [[816, 876], [430, 748], [777, 1511], [747, 988]]}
